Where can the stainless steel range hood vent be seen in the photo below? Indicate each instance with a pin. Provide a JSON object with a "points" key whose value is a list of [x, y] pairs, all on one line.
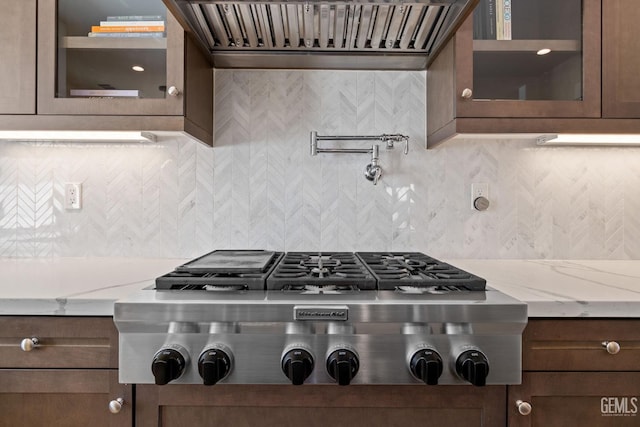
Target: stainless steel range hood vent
{"points": [[361, 34]]}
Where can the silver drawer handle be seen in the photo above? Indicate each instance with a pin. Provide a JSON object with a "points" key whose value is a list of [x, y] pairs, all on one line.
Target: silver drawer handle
{"points": [[612, 347], [466, 93], [29, 344], [524, 408], [173, 91], [115, 405]]}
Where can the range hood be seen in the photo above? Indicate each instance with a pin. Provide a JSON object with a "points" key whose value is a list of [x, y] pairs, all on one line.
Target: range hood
{"points": [[361, 34]]}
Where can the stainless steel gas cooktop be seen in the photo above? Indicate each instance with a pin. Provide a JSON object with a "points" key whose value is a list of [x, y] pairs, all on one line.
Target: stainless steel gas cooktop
{"points": [[267, 317]]}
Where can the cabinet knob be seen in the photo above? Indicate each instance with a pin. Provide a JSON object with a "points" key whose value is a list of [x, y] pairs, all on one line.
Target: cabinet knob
{"points": [[173, 91], [612, 347], [115, 405], [467, 93], [28, 344], [524, 408]]}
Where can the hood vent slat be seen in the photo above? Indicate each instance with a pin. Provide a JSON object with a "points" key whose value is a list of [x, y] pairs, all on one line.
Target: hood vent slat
{"points": [[394, 28], [382, 33]]}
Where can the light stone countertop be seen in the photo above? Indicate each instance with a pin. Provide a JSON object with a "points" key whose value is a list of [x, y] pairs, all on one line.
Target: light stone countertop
{"points": [[74, 286], [564, 288], [89, 286]]}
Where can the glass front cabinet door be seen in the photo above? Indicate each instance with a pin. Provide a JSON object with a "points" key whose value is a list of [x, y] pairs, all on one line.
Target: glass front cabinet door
{"points": [[109, 57], [523, 58]]}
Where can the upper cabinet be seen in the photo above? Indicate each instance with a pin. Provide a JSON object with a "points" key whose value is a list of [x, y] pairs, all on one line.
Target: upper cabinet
{"points": [[18, 53], [621, 59], [518, 66], [105, 65]]}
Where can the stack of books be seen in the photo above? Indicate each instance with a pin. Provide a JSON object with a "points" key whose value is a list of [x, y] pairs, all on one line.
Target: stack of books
{"points": [[129, 26], [492, 20]]}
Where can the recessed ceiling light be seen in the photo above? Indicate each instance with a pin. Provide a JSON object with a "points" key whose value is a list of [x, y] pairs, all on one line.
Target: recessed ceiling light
{"points": [[137, 68], [543, 51]]}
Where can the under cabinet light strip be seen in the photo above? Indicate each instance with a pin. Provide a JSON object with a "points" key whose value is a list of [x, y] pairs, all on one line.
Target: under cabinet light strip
{"points": [[57, 135], [589, 139]]}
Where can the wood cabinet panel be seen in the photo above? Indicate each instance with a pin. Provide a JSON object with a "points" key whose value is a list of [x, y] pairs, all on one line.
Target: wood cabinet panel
{"points": [[176, 405], [18, 53], [65, 342], [576, 345], [72, 398], [621, 59], [560, 399]]}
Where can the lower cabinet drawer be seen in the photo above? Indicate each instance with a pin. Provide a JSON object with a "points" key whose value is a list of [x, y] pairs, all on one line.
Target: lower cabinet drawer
{"points": [[319, 406], [561, 399], [64, 397], [581, 345], [60, 342]]}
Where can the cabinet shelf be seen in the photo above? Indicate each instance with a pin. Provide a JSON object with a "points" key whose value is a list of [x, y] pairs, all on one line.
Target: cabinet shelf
{"points": [[78, 42], [526, 45]]}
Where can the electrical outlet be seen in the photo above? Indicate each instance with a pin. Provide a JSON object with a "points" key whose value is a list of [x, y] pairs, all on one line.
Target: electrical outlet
{"points": [[478, 190], [72, 196]]}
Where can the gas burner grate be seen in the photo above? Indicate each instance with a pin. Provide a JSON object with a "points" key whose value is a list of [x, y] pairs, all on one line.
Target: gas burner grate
{"points": [[210, 288], [320, 268], [397, 269], [320, 289]]}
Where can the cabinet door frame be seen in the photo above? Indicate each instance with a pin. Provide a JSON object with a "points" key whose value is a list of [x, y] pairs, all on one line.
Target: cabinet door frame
{"points": [[589, 106], [70, 381], [152, 400], [589, 385], [48, 103], [18, 53], [618, 63]]}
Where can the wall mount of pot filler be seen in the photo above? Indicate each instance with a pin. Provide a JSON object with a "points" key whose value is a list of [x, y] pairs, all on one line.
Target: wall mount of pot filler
{"points": [[373, 170]]}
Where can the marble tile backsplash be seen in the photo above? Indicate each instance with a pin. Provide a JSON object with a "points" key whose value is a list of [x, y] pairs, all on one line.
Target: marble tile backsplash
{"points": [[259, 187]]}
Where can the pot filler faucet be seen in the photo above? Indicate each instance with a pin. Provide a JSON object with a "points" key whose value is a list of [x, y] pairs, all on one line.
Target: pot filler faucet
{"points": [[373, 171]]}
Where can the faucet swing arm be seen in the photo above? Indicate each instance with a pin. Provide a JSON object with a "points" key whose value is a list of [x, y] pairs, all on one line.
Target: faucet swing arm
{"points": [[372, 171]]}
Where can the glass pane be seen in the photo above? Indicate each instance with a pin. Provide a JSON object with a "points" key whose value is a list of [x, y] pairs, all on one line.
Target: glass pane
{"points": [[507, 59], [99, 43]]}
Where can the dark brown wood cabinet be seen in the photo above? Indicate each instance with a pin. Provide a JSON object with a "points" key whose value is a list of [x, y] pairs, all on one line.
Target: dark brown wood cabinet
{"points": [[18, 53], [67, 379], [571, 379], [607, 102], [620, 59], [35, 101], [319, 406]]}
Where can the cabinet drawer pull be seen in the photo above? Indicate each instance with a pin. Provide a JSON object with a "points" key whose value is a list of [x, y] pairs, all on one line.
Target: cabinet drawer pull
{"points": [[115, 405], [173, 91], [524, 408], [612, 347], [29, 344], [467, 93]]}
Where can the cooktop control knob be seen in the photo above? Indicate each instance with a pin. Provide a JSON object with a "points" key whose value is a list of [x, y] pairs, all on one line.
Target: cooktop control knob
{"points": [[214, 364], [343, 365], [473, 366], [168, 364], [297, 365], [426, 365]]}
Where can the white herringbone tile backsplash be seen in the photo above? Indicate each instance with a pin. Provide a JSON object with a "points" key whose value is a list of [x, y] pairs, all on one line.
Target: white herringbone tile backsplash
{"points": [[260, 188]]}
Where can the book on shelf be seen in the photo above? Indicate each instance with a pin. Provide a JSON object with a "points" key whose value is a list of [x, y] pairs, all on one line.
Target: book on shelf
{"points": [[126, 29], [503, 19], [130, 23], [135, 18], [484, 20], [106, 93], [506, 16], [491, 20], [148, 34]]}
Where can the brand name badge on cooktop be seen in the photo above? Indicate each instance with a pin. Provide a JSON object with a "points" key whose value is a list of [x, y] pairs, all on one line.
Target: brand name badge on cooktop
{"points": [[311, 312]]}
